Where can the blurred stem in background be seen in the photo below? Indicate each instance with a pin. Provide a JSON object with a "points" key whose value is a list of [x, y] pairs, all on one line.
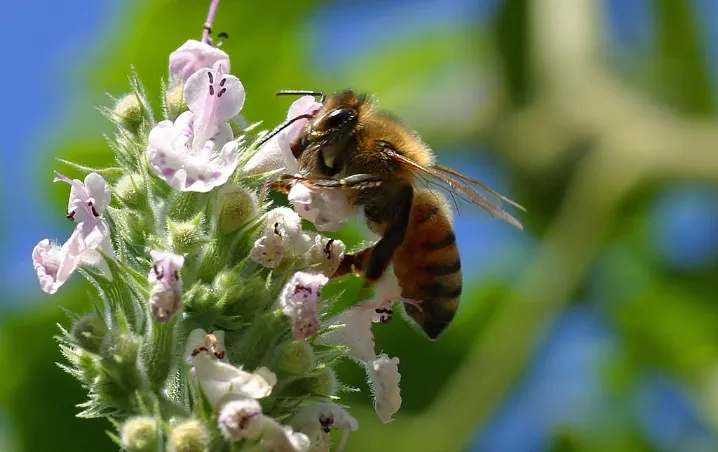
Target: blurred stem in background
{"points": [[634, 141]]}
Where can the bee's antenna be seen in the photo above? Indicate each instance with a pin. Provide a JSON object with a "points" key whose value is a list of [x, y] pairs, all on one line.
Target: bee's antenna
{"points": [[294, 92], [283, 126]]}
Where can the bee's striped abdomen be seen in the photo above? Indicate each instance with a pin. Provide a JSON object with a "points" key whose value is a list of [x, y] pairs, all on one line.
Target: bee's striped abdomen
{"points": [[427, 264]]}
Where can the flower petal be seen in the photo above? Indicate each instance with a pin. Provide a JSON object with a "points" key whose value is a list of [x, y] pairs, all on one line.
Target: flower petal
{"points": [[299, 301], [356, 333], [99, 192], [385, 377], [239, 419], [213, 97], [328, 210], [46, 258], [325, 254], [302, 106], [274, 155], [217, 379], [192, 56]]}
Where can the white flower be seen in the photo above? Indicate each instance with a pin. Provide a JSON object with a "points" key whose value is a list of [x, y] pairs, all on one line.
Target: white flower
{"points": [[282, 238], [195, 153], [276, 153], [280, 438], [219, 380], [165, 284], [239, 419], [317, 420], [325, 254], [54, 264], [327, 209], [356, 333], [194, 55], [88, 200], [267, 252], [299, 301], [200, 342], [384, 375]]}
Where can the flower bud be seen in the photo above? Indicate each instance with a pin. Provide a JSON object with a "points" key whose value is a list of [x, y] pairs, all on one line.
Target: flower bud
{"points": [[239, 419], [176, 103], [189, 436], [88, 331], [131, 189], [120, 347], [129, 112], [295, 357], [185, 237], [133, 226], [139, 434], [236, 205], [323, 384]]}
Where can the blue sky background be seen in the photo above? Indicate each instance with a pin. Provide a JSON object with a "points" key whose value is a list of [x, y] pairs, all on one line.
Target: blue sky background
{"points": [[44, 43]]}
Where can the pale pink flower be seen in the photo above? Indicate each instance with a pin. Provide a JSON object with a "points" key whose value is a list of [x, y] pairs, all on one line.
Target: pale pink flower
{"points": [[194, 55], [239, 419], [299, 301], [276, 153], [165, 284], [327, 209], [54, 264], [88, 199], [197, 151], [316, 421], [385, 377]]}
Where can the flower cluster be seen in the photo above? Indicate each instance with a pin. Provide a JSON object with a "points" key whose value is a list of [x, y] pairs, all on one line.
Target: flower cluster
{"points": [[185, 245]]}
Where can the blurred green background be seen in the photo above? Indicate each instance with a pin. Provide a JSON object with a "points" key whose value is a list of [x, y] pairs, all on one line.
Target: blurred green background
{"points": [[596, 329]]}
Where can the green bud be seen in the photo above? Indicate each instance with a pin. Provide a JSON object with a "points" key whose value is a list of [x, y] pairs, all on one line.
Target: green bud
{"points": [[132, 190], [237, 206], [295, 357], [140, 434], [120, 348], [129, 112], [322, 384], [189, 436], [176, 103], [186, 236], [88, 332], [133, 226]]}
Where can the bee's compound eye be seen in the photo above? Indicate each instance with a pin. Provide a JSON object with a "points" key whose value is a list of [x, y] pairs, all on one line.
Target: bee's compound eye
{"points": [[337, 118]]}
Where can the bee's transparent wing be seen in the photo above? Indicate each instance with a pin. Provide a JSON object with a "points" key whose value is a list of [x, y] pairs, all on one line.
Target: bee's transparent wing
{"points": [[462, 186]]}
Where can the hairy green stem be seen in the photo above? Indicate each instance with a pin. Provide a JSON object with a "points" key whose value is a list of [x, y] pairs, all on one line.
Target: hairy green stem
{"points": [[158, 352]]}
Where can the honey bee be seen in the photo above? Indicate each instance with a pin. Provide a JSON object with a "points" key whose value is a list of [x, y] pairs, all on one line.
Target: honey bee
{"points": [[380, 164]]}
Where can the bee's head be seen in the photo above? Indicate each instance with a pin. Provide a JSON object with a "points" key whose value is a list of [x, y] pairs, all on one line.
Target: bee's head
{"points": [[334, 125]]}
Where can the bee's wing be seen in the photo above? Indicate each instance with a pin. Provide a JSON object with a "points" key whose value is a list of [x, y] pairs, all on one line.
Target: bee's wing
{"points": [[458, 184], [481, 185]]}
